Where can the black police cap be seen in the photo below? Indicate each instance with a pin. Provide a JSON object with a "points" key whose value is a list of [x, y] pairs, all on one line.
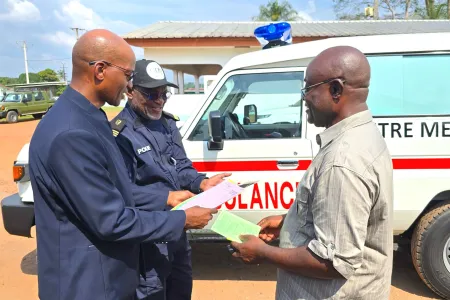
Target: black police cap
{"points": [[149, 74]]}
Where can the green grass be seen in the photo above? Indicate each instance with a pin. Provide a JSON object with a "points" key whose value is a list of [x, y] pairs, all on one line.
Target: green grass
{"points": [[107, 109], [112, 108]]}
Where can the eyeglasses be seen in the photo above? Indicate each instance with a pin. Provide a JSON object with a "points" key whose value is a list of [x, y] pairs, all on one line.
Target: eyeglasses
{"points": [[128, 73], [155, 95], [306, 90]]}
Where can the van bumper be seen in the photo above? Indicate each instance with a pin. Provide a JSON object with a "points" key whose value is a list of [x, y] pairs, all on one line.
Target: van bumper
{"points": [[3, 114], [18, 217]]}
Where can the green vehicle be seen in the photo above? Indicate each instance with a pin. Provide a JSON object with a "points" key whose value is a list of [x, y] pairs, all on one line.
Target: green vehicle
{"points": [[17, 104], [28, 99]]}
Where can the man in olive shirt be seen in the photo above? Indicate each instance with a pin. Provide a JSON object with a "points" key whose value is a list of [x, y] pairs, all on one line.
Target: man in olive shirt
{"points": [[336, 241]]}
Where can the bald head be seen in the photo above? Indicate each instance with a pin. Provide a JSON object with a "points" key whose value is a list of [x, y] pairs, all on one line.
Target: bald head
{"points": [[100, 44], [342, 62], [338, 80], [113, 63]]}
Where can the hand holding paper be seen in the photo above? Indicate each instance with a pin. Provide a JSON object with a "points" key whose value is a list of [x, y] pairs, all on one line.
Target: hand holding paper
{"points": [[251, 250], [213, 197], [198, 217], [177, 197]]}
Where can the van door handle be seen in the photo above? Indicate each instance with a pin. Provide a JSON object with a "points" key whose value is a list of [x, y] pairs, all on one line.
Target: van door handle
{"points": [[287, 164]]}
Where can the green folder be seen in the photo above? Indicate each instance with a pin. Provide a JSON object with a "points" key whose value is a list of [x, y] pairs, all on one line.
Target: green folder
{"points": [[231, 226]]}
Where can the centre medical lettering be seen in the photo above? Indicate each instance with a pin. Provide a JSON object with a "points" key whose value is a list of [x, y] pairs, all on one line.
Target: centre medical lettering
{"points": [[414, 129]]}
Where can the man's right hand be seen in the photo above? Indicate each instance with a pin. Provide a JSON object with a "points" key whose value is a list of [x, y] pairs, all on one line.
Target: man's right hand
{"points": [[198, 217], [271, 227], [177, 197]]}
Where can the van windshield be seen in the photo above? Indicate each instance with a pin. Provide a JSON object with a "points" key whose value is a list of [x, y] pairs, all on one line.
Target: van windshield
{"points": [[13, 98], [275, 96]]}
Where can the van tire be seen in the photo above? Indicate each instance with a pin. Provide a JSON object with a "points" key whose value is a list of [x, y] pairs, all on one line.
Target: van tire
{"points": [[429, 241], [12, 116]]}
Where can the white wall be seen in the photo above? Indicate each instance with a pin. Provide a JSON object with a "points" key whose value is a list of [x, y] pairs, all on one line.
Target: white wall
{"points": [[180, 105], [195, 55]]}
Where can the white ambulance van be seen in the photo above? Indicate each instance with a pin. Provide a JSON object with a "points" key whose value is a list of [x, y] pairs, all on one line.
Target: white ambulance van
{"points": [[252, 123]]}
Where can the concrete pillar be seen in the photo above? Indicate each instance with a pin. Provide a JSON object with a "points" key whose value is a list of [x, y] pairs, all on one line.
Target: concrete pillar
{"points": [[197, 84], [175, 79], [181, 82]]}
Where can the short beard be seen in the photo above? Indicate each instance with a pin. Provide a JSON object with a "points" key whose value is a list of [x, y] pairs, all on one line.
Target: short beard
{"points": [[140, 111]]}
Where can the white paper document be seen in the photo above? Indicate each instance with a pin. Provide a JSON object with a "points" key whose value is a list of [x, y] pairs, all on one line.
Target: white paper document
{"points": [[215, 196]]}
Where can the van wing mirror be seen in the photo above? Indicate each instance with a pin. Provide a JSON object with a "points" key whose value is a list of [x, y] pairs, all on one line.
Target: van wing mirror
{"points": [[215, 141], [250, 114]]}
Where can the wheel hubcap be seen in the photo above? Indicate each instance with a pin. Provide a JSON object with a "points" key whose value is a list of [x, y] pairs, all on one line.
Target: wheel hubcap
{"points": [[446, 254]]}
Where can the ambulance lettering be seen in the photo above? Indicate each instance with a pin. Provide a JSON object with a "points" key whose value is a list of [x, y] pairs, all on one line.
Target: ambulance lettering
{"points": [[414, 129], [273, 195]]}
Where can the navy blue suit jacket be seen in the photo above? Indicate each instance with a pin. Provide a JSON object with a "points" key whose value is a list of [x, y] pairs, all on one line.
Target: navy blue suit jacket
{"points": [[88, 227]]}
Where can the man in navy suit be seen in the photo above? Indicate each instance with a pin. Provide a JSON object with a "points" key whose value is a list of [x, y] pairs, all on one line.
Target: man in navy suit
{"points": [[89, 229]]}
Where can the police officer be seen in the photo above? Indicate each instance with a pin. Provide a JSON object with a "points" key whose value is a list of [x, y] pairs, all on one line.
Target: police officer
{"points": [[89, 230], [151, 145]]}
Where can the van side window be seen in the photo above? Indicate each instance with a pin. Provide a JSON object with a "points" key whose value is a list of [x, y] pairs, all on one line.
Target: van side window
{"points": [[256, 106], [38, 96], [409, 85], [27, 97]]}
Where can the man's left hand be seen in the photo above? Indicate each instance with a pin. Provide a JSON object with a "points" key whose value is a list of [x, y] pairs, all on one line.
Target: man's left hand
{"points": [[250, 251], [213, 181]]}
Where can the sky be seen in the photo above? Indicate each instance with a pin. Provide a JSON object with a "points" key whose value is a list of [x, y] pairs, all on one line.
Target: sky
{"points": [[45, 24]]}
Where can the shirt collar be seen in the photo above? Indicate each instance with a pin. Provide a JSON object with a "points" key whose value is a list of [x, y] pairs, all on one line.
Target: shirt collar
{"points": [[80, 100], [329, 134]]}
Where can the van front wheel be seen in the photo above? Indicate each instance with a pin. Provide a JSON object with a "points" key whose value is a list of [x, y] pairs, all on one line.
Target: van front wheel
{"points": [[430, 249], [12, 117]]}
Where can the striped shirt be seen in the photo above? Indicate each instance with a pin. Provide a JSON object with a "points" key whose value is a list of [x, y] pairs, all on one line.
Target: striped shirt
{"points": [[343, 213]]}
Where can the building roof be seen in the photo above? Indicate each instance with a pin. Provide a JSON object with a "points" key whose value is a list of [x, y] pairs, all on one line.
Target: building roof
{"points": [[37, 84], [179, 29]]}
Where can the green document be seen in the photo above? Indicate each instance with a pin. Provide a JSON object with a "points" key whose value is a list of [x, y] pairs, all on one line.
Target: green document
{"points": [[232, 226]]}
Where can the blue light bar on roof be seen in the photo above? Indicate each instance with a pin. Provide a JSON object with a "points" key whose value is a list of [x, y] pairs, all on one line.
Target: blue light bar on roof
{"points": [[274, 34]]}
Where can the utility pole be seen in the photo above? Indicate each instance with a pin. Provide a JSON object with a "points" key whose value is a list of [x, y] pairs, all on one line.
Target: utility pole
{"points": [[24, 46], [63, 71], [76, 29]]}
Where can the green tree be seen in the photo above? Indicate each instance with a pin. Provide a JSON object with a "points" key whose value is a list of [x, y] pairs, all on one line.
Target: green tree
{"points": [[60, 89], [32, 76], [61, 74], [274, 11], [431, 9], [48, 75], [8, 80]]}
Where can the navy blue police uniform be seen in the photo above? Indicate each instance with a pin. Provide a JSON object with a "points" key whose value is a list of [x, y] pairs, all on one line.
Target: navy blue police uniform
{"points": [[156, 160], [89, 231], [157, 164]]}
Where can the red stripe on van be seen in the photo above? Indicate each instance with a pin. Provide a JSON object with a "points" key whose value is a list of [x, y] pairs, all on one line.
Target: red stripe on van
{"points": [[271, 165], [421, 163], [263, 165]]}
